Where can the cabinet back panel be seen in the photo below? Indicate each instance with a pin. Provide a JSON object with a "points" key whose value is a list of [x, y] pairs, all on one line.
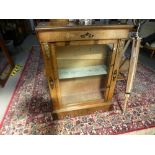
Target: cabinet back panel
{"points": [[81, 56], [83, 89]]}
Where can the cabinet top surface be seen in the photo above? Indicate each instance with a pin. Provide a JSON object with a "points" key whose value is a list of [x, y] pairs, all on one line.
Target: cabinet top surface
{"points": [[43, 26]]}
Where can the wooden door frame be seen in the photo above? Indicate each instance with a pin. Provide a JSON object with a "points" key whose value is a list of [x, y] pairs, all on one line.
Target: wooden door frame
{"points": [[111, 81]]}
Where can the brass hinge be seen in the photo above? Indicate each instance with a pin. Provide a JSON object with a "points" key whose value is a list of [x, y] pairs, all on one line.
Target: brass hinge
{"points": [[114, 75], [51, 82], [47, 50]]}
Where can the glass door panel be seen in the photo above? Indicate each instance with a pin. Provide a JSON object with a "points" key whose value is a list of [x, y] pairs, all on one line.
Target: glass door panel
{"points": [[83, 72]]}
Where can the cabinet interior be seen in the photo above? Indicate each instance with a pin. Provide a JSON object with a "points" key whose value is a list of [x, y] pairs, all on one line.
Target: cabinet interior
{"points": [[83, 72]]}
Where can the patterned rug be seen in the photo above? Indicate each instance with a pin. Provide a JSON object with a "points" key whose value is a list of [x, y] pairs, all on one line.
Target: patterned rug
{"points": [[30, 109]]}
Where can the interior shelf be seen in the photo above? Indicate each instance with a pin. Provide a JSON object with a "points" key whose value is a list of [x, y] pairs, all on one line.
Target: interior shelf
{"points": [[82, 71]]}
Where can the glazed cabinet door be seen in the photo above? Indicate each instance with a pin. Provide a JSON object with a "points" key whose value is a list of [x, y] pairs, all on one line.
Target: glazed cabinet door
{"points": [[83, 72]]}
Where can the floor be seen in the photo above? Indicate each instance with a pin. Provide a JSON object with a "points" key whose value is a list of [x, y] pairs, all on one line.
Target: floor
{"points": [[145, 58], [19, 57], [22, 54]]}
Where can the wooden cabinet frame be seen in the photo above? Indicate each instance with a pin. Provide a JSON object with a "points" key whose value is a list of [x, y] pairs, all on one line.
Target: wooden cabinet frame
{"points": [[51, 36]]}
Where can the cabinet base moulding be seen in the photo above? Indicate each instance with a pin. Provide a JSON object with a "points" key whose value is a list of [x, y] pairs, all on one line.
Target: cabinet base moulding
{"points": [[74, 111]]}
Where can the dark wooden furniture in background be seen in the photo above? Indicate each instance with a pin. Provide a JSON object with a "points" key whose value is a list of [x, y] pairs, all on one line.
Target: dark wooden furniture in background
{"points": [[151, 48], [82, 64], [8, 59], [15, 29]]}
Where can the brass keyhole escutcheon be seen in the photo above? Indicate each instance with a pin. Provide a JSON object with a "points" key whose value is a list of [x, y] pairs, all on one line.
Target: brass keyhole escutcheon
{"points": [[51, 82]]}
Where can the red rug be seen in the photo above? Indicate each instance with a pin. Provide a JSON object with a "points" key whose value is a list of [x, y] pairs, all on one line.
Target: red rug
{"points": [[29, 110]]}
